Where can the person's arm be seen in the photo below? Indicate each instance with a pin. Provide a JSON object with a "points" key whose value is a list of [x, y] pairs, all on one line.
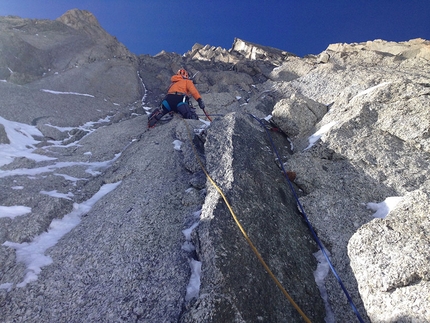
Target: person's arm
{"points": [[192, 90], [196, 95]]}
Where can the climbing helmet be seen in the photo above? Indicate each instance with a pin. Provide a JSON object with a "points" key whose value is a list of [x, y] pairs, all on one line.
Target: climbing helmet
{"points": [[183, 73]]}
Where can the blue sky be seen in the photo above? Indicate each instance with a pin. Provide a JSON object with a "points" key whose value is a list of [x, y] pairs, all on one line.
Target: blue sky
{"points": [[301, 27]]}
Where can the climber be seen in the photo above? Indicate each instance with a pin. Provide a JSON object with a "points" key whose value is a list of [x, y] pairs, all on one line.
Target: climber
{"points": [[178, 99]]}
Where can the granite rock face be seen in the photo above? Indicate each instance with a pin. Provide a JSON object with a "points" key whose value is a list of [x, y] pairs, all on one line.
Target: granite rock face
{"points": [[264, 205], [146, 237], [373, 146], [43, 62], [398, 275]]}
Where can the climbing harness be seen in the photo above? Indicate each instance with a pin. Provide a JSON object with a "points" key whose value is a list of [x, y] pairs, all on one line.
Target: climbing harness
{"points": [[248, 240], [317, 240]]}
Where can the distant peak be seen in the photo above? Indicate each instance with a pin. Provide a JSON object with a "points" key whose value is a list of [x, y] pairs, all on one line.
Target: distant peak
{"points": [[255, 51], [77, 19]]}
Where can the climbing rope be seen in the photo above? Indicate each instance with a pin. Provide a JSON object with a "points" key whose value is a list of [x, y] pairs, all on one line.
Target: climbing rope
{"points": [[248, 240], [212, 115], [318, 241]]}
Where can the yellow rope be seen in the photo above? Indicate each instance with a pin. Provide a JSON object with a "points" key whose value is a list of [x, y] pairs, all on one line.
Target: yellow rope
{"points": [[254, 249]]}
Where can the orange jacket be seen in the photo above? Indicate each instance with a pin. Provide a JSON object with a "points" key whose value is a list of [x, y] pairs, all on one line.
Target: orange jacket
{"points": [[185, 86]]}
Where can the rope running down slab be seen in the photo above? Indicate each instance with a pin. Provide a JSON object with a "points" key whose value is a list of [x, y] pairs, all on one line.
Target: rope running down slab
{"points": [[248, 240], [317, 240]]}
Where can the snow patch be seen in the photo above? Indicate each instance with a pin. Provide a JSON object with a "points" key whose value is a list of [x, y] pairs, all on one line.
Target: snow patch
{"points": [[187, 232], [193, 287], [369, 90], [177, 144], [317, 135], [32, 254], [93, 168], [70, 93], [145, 92], [320, 274], [13, 211], [22, 143], [7, 286], [382, 209], [54, 193], [70, 178]]}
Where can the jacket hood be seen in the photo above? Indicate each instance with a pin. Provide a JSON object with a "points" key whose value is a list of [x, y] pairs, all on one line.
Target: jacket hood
{"points": [[176, 78]]}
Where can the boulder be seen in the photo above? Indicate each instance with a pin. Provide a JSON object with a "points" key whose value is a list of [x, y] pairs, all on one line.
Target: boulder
{"points": [[390, 261], [297, 115]]}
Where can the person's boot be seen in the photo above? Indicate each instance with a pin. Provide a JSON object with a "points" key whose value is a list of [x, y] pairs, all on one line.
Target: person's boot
{"points": [[193, 114], [154, 117]]}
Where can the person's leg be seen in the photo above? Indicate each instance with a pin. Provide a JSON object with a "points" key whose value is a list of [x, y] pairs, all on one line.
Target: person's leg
{"points": [[185, 110], [180, 104]]}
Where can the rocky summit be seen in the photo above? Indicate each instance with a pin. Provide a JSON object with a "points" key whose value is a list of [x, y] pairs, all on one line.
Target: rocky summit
{"points": [[227, 219]]}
